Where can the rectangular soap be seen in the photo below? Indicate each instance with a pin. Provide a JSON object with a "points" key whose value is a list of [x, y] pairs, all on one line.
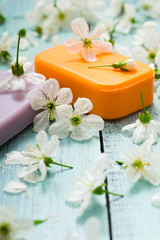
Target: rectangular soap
{"points": [[15, 113], [114, 93]]}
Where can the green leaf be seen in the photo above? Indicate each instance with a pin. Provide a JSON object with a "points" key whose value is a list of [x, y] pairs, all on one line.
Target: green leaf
{"points": [[37, 222]]}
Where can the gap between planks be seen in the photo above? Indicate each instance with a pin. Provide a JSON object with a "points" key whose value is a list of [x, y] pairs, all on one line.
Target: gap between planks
{"points": [[106, 187]]}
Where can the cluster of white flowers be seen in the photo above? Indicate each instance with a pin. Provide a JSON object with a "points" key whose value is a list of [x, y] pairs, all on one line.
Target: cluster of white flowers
{"points": [[54, 101], [143, 163], [49, 18]]}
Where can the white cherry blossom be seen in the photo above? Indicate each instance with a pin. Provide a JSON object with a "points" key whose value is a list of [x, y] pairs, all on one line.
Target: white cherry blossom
{"points": [[128, 20], [89, 9], [35, 159], [42, 11], [151, 8], [48, 99], [142, 33], [22, 82], [65, 12], [76, 120], [14, 228], [147, 53], [141, 163], [88, 46], [88, 182], [116, 8], [143, 131]]}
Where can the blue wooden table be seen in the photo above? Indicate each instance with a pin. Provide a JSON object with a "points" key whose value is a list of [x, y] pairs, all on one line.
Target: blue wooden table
{"points": [[132, 218]]}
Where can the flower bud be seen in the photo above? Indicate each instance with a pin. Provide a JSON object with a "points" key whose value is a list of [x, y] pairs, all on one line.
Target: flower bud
{"points": [[131, 64]]}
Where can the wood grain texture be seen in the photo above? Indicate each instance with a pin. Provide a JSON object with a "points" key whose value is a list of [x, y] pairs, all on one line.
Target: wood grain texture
{"points": [[133, 217], [47, 198]]}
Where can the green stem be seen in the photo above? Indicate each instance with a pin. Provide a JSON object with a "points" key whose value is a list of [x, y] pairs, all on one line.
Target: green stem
{"points": [[62, 165], [115, 194], [17, 63], [144, 110], [110, 65]]}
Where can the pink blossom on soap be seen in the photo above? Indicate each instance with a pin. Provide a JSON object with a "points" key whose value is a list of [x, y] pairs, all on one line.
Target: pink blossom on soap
{"points": [[76, 120], [88, 46], [12, 82], [48, 99]]}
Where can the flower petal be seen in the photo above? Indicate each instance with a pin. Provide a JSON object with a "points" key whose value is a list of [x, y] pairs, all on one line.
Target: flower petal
{"points": [[18, 83], [80, 27], [23, 226], [35, 78], [24, 171], [51, 87], [92, 229], [73, 45], [156, 125], [97, 32], [132, 174], [15, 186], [6, 214], [35, 176], [64, 96], [152, 45], [63, 112], [42, 140], [52, 146], [89, 55], [84, 205], [60, 128], [139, 134], [82, 106], [28, 67], [79, 134], [102, 46], [41, 121], [130, 126], [93, 122], [37, 99], [14, 157], [156, 200], [102, 163]]}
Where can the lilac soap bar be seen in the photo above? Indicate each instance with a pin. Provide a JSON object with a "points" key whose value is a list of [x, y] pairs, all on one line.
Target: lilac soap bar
{"points": [[15, 112]]}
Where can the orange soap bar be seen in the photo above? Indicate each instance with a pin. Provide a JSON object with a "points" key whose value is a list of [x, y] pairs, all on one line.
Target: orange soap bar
{"points": [[114, 93]]}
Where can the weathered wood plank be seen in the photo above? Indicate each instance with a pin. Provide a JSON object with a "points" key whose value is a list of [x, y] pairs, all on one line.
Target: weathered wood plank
{"points": [[133, 217]]}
